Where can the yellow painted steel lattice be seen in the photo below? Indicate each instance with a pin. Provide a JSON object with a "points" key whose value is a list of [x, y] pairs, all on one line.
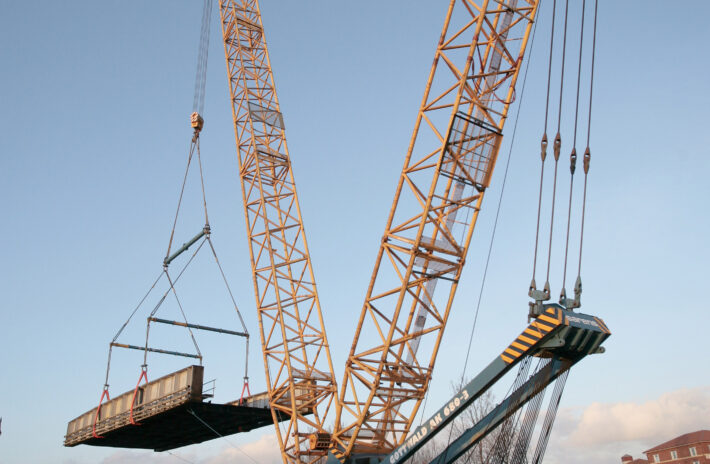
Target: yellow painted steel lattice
{"points": [[448, 167], [299, 370]]}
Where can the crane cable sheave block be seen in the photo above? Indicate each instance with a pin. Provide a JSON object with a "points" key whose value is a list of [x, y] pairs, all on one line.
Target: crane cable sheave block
{"points": [[197, 122]]}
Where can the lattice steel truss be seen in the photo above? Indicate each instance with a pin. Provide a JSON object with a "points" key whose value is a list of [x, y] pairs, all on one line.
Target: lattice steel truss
{"points": [[448, 167], [299, 369]]}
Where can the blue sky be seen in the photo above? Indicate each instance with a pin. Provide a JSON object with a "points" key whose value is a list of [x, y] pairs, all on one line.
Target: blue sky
{"points": [[96, 99]]}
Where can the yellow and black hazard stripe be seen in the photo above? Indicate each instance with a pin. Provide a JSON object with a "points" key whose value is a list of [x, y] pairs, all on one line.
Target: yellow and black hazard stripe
{"points": [[337, 453], [541, 326], [602, 325]]}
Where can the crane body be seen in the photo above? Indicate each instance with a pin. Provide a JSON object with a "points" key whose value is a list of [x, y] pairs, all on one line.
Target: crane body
{"points": [[447, 170]]}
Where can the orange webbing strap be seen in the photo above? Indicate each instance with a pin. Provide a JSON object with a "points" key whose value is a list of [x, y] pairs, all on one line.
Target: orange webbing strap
{"points": [[245, 387], [144, 375], [98, 411]]}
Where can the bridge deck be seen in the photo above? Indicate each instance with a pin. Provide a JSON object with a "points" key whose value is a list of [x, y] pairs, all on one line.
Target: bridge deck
{"points": [[169, 412]]}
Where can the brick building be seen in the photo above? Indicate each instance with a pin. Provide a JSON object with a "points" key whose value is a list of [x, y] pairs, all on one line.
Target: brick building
{"points": [[691, 448], [628, 459]]}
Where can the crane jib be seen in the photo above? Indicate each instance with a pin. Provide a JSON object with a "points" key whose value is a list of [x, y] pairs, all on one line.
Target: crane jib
{"points": [[565, 336]]}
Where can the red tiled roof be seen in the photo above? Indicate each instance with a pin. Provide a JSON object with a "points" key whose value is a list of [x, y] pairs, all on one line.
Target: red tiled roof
{"points": [[628, 459], [687, 439]]}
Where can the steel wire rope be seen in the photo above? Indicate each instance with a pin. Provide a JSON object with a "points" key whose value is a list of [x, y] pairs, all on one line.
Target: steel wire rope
{"points": [[182, 192], [196, 140], [534, 403], [506, 427], [155, 308], [198, 105], [526, 429], [485, 432], [556, 149], [587, 152], [222, 436], [162, 299], [500, 198], [194, 148], [500, 201], [527, 422], [463, 235], [541, 364], [137, 307], [543, 146], [198, 102], [179, 457], [182, 311], [194, 254], [495, 222], [550, 418], [426, 395], [489, 426], [239, 314], [573, 158], [140, 303], [202, 182]]}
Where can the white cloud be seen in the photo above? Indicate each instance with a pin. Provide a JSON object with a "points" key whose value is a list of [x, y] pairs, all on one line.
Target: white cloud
{"points": [[671, 414], [265, 450], [127, 456], [600, 433], [603, 432]]}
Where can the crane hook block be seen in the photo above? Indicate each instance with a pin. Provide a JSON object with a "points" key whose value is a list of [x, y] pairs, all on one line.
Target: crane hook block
{"points": [[196, 121]]}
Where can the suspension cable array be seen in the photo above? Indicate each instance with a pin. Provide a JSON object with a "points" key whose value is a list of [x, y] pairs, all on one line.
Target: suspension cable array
{"points": [[540, 296], [202, 237], [513, 437]]}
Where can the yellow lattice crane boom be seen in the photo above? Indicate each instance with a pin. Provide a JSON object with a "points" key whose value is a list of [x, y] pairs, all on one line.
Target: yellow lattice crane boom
{"points": [[299, 371], [448, 167], [447, 170]]}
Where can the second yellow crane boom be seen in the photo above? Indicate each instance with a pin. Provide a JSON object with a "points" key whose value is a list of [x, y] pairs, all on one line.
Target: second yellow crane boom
{"points": [[448, 167]]}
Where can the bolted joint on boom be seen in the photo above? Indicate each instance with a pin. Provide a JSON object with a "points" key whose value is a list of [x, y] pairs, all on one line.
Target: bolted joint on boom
{"points": [[540, 296], [568, 303], [577, 302]]}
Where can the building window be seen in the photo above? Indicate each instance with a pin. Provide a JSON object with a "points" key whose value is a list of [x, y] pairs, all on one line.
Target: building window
{"points": [[696, 462], [656, 458], [692, 451], [674, 454]]}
